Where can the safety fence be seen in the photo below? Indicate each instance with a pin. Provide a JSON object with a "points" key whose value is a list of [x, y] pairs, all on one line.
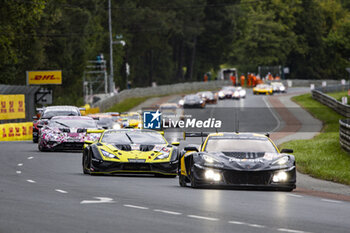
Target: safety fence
{"points": [[16, 131], [319, 95], [344, 134]]}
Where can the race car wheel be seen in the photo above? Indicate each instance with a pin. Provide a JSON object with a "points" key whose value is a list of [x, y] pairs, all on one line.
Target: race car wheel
{"points": [[194, 183], [182, 181], [85, 171]]}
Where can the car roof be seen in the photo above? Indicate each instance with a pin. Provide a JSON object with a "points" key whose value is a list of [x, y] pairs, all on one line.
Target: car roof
{"points": [[72, 118], [239, 135], [68, 107]]}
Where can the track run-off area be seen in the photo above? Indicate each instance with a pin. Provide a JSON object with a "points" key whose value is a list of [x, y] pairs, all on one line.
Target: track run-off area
{"points": [[48, 192]]}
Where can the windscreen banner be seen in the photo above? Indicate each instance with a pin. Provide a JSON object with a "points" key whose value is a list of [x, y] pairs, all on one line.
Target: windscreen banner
{"points": [[12, 107], [16, 131]]}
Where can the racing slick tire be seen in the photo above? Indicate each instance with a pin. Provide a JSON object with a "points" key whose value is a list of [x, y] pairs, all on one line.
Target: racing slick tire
{"points": [[194, 183], [182, 181]]}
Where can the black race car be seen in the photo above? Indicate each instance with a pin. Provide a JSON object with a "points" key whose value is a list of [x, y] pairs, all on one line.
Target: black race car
{"points": [[237, 160], [192, 101]]}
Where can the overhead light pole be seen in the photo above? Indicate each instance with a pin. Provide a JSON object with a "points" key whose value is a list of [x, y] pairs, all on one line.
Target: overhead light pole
{"points": [[111, 75]]}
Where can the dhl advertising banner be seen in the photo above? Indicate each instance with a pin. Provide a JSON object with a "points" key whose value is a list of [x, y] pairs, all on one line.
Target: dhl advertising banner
{"points": [[12, 107], [16, 131], [44, 77]]}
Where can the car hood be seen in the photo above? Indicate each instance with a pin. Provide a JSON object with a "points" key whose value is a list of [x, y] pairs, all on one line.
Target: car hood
{"points": [[245, 160]]}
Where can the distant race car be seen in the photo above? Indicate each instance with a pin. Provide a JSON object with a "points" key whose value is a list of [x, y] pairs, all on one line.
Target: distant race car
{"points": [[237, 160], [192, 101], [47, 113], [130, 120], [208, 96], [171, 113], [278, 87], [66, 133], [264, 89], [105, 121], [231, 92], [242, 92], [130, 151]]}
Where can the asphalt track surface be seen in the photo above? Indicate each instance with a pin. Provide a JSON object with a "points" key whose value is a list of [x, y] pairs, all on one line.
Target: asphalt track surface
{"points": [[47, 192]]}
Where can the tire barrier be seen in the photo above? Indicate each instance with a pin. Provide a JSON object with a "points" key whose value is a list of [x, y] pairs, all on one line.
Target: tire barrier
{"points": [[344, 134]]}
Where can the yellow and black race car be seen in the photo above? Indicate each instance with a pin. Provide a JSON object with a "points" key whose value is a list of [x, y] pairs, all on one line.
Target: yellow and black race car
{"points": [[264, 89], [130, 151], [130, 120], [238, 160]]}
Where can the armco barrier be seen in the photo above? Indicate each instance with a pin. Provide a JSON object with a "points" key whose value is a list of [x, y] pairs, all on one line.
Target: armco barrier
{"points": [[344, 134], [16, 131], [342, 109]]}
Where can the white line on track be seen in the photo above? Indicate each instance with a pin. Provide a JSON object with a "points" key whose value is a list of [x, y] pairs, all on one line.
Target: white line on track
{"points": [[247, 224], [31, 181], [167, 212], [60, 191], [256, 225], [18, 172], [273, 114], [294, 195], [202, 217], [237, 222], [20, 164], [137, 207], [31, 157], [331, 201], [290, 230]]}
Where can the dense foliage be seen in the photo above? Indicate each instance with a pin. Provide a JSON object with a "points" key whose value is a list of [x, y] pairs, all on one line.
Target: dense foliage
{"points": [[172, 41]]}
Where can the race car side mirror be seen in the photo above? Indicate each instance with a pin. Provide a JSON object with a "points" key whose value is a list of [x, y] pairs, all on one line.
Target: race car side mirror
{"points": [[175, 143], [35, 118], [287, 151], [191, 148]]}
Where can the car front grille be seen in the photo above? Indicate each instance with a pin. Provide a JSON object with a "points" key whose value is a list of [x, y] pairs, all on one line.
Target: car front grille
{"points": [[248, 177]]}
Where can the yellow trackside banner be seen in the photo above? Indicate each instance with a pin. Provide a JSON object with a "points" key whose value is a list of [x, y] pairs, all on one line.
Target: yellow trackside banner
{"points": [[12, 107], [16, 131], [44, 77]]}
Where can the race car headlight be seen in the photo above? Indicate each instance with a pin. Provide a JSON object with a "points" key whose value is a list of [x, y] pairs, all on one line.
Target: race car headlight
{"points": [[139, 126], [211, 175], [281, 161], [181, 102], [221, 94], [242, 92], [282, 88], [209, 159], [162, 155], [107, 154], [280, 177]]}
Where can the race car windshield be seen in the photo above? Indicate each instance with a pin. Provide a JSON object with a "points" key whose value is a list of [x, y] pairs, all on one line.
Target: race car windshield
{"points": [[133, 138], [133, 117], [239, 145], [86, 124], [192, 98], [50, 114]]}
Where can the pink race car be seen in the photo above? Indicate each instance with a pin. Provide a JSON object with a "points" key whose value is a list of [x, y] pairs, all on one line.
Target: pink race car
{"points": [[66, 133]]}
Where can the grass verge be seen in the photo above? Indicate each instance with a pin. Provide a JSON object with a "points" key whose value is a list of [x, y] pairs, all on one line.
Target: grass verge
{"points": [[339, 95], [127, 104], [321, 157]]}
